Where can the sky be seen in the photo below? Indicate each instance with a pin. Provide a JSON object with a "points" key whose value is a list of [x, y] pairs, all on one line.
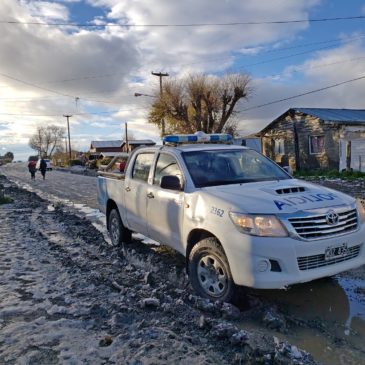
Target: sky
{"points": [[87, 58]]}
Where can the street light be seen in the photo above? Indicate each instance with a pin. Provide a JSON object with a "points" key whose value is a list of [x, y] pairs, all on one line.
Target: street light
{"points": [[154, 96]]}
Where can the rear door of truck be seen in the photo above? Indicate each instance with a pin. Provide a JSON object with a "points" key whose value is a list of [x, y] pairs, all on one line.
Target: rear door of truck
{"points": [[136, 186]]}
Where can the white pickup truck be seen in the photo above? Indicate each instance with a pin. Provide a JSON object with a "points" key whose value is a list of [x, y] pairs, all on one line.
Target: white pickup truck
{"points": [[237, 217]]}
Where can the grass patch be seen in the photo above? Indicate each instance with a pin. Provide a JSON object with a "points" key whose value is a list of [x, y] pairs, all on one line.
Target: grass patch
{"points": [[346, 175], [5, 200]]}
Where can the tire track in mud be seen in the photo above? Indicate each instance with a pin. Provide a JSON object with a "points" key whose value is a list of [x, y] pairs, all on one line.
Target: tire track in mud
{"points": [[68, 297]]}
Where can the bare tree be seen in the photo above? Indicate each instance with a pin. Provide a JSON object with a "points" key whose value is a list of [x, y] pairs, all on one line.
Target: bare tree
{"points": [[9, 156], [200, 103], [46, 139]]}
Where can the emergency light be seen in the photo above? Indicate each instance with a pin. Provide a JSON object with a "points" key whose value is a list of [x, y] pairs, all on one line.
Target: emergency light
{"points": [[197, 137]]}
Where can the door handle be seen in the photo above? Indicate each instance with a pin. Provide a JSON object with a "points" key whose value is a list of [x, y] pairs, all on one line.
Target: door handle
{"points": [[150, 195], [127, 188]]}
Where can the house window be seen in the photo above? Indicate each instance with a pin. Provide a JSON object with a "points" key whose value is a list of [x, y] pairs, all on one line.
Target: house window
{"points": [[279, 147], [316, 144]]}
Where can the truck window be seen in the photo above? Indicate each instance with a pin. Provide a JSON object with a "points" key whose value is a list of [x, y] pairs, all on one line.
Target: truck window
{"points": [[166, 165], [142, 165], [223, 167]]}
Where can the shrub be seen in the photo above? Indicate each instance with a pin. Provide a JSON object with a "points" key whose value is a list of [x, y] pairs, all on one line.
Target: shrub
{"points": [[5, 200], [92, 164], [347, 175], [75, 162]]}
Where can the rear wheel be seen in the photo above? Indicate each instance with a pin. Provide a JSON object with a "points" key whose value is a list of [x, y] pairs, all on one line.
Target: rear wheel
{"points": [[117, 231], [209, 271]]}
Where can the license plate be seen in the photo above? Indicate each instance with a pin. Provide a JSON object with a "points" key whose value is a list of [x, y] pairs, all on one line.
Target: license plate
{"points": [[335, 251]]}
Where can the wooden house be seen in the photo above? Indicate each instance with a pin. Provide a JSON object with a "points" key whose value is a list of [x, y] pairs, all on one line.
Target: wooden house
{"points": [[109, 149], [317, 138]]}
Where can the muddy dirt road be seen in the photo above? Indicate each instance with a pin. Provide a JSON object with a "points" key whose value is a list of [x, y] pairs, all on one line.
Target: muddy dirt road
{"points": [[67, 297], [326, 317]]}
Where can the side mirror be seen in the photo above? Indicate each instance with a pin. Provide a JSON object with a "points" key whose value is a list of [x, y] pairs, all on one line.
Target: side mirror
{"points": [[170, 182]]}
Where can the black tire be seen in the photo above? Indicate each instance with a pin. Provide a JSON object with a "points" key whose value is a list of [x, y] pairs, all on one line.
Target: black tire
{"points": [[118, 233], [209, 271]]}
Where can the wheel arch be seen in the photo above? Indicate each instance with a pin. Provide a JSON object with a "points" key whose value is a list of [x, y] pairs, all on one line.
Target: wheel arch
{"points": [[110, 205], [195, 236]]}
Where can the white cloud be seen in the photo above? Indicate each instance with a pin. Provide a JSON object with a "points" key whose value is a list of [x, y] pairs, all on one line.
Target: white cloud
{"points": [[47, 10], [110, 64]]}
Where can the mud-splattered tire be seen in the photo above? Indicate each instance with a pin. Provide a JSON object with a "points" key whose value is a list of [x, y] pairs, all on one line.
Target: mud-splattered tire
{"points": [[209, 271], [118, 233]]}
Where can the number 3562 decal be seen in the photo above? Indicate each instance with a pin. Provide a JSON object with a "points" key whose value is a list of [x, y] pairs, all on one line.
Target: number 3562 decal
{"points": [[217, 211]]}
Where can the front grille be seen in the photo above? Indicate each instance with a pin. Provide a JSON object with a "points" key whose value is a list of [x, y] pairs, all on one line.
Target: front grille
{"points": [[316, 261], [316, 227]]}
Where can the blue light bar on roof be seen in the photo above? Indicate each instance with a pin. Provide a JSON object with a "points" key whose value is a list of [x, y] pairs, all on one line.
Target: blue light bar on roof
{"points": [[197, 137]]}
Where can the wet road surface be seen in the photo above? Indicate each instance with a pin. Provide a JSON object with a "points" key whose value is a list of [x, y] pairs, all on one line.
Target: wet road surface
{"points": [[75, 188], [330, 312]]}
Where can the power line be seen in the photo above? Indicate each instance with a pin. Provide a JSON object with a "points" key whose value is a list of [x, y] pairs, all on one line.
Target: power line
{"points": [[86, 25], [302, 94], [340, 39], [75, 114], [185, 64], [36, 86], [282, 57], [54, 91], [320, 65], [85, 78]]}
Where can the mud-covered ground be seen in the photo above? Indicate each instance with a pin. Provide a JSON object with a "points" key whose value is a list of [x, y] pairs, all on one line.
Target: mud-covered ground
{"points": [[68, 297]]}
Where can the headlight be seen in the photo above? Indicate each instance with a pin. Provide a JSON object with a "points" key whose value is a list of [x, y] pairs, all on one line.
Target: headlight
{"points": [[258, 225], [361, 209]]}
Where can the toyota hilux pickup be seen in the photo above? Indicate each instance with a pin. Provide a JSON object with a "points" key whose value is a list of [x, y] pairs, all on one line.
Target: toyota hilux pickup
{"points": [[237, 217]]}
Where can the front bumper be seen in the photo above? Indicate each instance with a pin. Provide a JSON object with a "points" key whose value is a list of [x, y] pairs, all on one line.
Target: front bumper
{"points": [[247, 255]]}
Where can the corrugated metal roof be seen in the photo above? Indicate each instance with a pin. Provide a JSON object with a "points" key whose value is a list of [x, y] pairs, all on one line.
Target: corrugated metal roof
{"points": [[141, 141], [336, 115], [106, 144]]}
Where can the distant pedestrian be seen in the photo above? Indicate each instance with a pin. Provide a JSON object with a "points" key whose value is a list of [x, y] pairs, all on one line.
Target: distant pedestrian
{"points": [[43, 167], [32, 169]]}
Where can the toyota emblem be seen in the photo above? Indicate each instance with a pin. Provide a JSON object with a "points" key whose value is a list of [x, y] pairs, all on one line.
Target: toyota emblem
{"points": [[332, 218]]}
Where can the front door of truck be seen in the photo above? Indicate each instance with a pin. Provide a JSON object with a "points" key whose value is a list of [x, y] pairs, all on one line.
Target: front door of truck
{"points": [[135, 186], [165, 207]]}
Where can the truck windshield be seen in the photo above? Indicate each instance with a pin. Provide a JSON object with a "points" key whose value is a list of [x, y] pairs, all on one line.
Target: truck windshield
{"points": [[222, 167]]}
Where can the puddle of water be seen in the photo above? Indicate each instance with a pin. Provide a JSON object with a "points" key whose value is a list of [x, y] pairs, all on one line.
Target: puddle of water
{"points": [[333, 302], [323, 349]]}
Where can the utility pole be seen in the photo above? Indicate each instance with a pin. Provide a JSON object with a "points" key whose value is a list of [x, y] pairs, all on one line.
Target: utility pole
{"points": [[65, 145], [126, 136], [161, 75], [69, 139]]}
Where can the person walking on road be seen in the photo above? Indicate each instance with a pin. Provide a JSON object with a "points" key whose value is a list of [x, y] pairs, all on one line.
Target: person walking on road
{"points": [[32, 169], [43, 167]]}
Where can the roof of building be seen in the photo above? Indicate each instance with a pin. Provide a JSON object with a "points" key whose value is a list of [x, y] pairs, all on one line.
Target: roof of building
{"points": [[340, 116], [336, 115], [106, 144], [140, 142]]}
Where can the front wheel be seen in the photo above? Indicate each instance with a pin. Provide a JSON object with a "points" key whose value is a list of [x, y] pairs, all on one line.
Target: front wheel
{"points": [[117, 231], [209, 271]]}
